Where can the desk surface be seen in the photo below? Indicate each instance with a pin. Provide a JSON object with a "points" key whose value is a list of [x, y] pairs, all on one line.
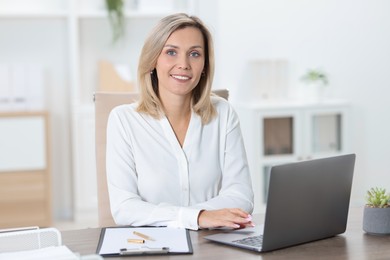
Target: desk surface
{"points": [[353, 244]]}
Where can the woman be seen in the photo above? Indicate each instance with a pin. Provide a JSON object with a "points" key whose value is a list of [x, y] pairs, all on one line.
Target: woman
{"points": [[176, 158]]}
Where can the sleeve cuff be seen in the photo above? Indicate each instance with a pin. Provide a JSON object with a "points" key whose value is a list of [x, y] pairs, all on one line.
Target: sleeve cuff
{"points": [[188, 218]]}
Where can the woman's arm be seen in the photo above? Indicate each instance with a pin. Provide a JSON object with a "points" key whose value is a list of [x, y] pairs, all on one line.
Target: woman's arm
{"points": [[234, 203]]}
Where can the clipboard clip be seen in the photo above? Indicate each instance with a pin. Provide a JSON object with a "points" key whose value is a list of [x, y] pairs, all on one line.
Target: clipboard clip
{"points": [[144, 251]]}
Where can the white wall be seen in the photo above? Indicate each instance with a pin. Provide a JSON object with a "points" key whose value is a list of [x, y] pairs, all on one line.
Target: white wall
{"points": [[348, 39]]}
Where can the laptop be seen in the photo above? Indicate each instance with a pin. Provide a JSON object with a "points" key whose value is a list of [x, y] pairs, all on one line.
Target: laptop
{"points": [[307, 201]]}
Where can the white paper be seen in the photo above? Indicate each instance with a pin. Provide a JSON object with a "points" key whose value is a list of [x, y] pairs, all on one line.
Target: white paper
{"points": [[124, 72], [116, 238]]}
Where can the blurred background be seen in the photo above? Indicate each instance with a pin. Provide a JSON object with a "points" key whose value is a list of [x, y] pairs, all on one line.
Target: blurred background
{"points": [[308, 79]]}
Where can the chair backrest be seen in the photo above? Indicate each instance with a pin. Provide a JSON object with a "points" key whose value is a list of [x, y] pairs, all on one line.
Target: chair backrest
{"points": [[104, 103]]}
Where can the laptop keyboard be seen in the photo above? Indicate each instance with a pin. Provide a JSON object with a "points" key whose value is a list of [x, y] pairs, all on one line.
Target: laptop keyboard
{"points": [[256, 241]]}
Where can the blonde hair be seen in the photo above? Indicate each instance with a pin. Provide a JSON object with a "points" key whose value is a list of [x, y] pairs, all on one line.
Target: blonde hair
{"points": [[149, 102]]}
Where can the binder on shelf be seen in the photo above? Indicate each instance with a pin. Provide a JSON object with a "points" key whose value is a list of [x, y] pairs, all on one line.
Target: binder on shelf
{"points": [[19, 86], [124, 240], [36, 87], [5, 89], [22, 87]]}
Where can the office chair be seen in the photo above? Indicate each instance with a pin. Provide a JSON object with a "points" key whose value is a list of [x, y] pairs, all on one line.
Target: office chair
{"points": [[104, 103]]}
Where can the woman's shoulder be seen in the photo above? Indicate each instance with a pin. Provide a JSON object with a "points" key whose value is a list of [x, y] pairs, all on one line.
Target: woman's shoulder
{"points": [[220, 103], [124, 109]]}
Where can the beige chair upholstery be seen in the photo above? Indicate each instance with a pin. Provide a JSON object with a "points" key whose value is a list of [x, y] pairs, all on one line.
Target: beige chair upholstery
{"points": [[104, 103]]}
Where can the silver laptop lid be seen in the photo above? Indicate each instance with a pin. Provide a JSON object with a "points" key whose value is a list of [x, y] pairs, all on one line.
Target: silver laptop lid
{"points": [[308, 201]]}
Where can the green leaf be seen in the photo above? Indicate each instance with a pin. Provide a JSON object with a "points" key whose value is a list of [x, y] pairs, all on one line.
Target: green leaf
{"points": [[116, 18], [377, 197], [313, 75]]}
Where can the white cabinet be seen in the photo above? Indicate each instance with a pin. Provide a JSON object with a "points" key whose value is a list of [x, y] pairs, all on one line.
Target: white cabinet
{"points": [[278, 132]]}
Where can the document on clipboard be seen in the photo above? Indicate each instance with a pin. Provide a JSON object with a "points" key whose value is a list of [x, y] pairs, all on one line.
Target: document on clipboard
{"points": [[117, 241]]}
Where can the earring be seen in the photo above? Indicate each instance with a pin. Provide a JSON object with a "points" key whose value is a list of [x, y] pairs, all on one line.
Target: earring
{"points": [[151, 72]]}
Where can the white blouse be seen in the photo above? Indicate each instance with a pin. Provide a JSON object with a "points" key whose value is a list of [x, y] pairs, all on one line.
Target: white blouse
{"points": [[153, 181]]}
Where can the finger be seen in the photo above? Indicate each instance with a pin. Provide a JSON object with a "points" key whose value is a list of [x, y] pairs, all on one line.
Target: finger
{"points": [[240, 212], [237, 225], [242, 219], [230, 224]]}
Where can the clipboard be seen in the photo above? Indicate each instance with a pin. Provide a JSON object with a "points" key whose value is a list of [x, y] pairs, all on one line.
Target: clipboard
{"points": [[126, 240]]}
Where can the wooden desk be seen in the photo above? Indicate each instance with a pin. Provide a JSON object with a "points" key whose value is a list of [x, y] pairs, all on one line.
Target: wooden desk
{"points": [[353, 244]]}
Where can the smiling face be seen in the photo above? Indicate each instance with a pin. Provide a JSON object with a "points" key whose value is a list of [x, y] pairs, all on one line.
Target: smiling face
{"points": [[180, 64]]}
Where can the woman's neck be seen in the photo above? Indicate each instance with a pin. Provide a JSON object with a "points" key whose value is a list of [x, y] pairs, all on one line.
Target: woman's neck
{"points": [[178, 113]]}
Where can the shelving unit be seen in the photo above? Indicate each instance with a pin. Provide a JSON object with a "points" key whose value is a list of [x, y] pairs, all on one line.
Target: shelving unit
{"points": [[68, 38], [25, 176], [285, 131]]}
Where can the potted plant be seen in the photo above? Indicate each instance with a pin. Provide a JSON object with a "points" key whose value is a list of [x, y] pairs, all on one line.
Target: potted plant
{"points": [[376, 216], [315, 76], [115, 9], [316, 80]]}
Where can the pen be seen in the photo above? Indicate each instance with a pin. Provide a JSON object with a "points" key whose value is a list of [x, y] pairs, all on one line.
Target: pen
{"points": [[137, 241], [143, 235]]}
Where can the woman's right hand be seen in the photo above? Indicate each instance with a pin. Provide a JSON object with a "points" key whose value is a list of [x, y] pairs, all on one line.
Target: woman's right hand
{"points": [[228, 217]]}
